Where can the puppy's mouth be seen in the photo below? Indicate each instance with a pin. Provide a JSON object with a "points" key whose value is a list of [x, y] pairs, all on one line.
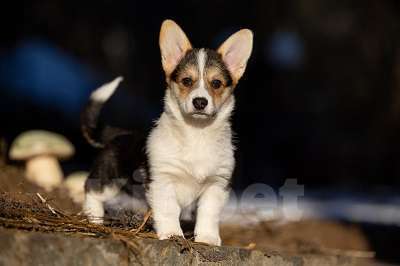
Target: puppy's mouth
{"points": [[200, 115]]}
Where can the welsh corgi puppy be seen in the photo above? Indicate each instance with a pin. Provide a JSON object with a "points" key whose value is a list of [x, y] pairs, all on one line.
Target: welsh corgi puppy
{"points": [[187, 159]]}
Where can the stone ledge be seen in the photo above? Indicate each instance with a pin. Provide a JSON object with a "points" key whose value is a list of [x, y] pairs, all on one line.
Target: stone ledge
{"points": [[35, 248]]}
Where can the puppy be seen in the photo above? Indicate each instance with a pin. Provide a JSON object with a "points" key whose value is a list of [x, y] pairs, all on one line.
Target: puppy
{"points": [[188, 157]]}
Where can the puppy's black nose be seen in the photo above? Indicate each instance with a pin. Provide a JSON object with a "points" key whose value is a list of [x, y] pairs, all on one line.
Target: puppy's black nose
{"points": [[200, 103]]}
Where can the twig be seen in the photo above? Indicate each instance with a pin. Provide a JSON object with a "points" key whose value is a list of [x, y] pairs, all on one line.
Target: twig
{"points": [[45, 202], [145, 219]]}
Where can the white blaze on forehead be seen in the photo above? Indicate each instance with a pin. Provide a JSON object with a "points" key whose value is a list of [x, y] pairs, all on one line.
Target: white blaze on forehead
{"points": [[201, 62], [201, 90]]}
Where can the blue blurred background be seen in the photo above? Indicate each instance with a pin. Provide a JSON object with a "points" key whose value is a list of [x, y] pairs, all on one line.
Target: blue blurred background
{"points": [[319, 102]]}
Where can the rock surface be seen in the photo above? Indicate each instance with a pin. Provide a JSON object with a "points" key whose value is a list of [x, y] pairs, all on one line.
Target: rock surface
{"points": [[34, 248]]}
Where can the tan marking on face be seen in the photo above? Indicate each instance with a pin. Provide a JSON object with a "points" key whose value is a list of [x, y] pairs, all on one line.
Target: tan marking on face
{"points": [[218, 95], [190, 71]]}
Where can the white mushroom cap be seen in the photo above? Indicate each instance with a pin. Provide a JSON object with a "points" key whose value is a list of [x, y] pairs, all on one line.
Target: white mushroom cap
{"points": [[40, 142]]}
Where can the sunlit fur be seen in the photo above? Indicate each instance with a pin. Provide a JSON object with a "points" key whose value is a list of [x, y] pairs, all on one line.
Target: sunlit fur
{"points": [[190, 155], [189, 162], [190, 151]]}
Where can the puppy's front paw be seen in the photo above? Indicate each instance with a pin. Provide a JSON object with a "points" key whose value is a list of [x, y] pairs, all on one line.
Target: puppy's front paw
{"points": [[211, 239], [170, 233]]}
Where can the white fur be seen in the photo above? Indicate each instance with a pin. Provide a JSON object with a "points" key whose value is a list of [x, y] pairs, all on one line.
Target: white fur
{"points": [[105, 91], [94, 203], [189, 163], [191, 159], [201, 90]]}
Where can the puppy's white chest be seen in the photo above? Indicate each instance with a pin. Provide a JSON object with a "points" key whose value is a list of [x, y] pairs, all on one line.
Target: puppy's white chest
{"points": [[189, 154], [200, 158]]}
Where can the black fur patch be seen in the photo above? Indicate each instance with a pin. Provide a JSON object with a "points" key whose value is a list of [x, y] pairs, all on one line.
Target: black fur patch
{"points": [[214, 59], [116, 163], [189, 59], [122, 152]]}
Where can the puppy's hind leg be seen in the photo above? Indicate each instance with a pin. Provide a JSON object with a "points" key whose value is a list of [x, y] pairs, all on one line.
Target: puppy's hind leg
{"points": [[103, 184], [93, 206]]}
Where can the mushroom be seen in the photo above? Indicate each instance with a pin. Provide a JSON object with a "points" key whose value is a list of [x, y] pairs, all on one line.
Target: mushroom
{"points": [[75, 184], [41, 150]]}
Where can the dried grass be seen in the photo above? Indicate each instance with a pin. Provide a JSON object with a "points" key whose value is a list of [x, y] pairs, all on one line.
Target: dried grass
{"points": [[33, 212]]}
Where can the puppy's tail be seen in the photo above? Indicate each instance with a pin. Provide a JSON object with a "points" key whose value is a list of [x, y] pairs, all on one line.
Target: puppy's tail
{"points": [[92, 131]]}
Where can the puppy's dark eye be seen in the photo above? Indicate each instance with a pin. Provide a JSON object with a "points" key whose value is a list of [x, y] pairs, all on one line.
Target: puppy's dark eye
{"points": [[216, 83], [187, 82]]}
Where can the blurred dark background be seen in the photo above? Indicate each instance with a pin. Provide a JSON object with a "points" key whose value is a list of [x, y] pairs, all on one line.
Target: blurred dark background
{"points": [[320, 100]]}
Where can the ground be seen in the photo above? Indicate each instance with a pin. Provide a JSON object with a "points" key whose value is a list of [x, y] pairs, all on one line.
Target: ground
{"points": [[23, 210]]}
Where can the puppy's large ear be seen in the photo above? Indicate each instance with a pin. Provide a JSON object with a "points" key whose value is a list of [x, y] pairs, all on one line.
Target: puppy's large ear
{"points": [[235, 52], [173, 44]]}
